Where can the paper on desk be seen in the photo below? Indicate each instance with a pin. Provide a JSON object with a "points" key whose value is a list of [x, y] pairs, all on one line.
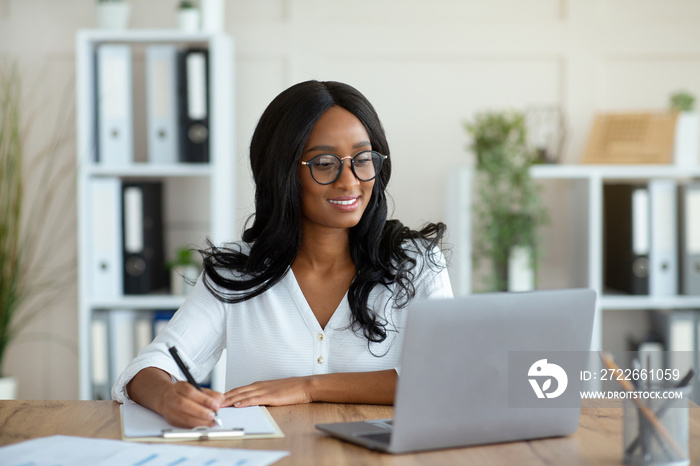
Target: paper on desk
{"points": [[139, 423], [60, 450]]}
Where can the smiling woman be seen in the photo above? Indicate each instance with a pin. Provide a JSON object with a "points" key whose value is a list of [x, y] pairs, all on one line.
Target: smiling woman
{"points": [[332, 197], [314, 295]]}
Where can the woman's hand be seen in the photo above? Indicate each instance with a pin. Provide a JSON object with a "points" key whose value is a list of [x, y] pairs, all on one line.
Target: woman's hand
{"points": [[183, 405], [340, 387], [295, 390]]}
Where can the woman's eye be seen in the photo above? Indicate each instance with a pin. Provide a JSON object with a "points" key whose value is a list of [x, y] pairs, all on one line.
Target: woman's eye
{"points": [[325, 163]]}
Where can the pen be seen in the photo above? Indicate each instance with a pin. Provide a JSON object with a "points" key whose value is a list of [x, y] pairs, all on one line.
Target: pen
{"points": [[190, 379]]}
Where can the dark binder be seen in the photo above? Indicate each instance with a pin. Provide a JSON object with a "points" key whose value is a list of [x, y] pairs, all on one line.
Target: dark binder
{"points": [[144, 263], [626, 238], [193, 84]]}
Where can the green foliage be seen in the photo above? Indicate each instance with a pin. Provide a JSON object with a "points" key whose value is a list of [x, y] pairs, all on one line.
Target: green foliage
{"points": [[11, 192], [508, 205], [682, 101], [183, 256], [186, 5], [30, 281]]}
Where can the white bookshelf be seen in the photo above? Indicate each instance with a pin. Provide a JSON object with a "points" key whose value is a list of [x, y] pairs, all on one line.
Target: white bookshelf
{"points": [[204, 192], [585, 183]]}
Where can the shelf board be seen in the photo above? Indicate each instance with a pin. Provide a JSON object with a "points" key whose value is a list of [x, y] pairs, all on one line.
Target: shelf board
{"points": [[608, 302], [145, 170], [145, 35], [162, 301], [629, 172]]}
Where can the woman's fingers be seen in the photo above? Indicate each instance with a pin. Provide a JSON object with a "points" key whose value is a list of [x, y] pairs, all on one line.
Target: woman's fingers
{"points": [[185, 406], [269, 393]]}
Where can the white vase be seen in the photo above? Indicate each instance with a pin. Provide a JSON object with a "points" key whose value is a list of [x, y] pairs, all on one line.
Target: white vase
{"points": [[182, 278], [686, 145], [521, 277], [113, 15], [188, 20], [213, 15], [8, 388]]}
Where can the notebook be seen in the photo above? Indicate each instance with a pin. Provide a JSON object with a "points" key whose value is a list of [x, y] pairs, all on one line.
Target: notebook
{"points": [[140, 424], [454, 388]]}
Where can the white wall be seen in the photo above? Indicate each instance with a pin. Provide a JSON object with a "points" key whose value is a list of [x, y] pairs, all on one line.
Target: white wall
{"points": [[426, 65]]}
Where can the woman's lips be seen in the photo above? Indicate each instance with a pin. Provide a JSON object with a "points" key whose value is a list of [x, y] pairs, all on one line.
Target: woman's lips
{"points": [[345, 202]]}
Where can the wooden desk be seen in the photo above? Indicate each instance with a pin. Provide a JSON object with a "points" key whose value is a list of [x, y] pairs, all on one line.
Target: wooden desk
{"points": [[598, 440]]}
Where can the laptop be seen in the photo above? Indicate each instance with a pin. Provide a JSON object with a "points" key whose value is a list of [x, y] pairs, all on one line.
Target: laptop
{"points": [[454, 387]]}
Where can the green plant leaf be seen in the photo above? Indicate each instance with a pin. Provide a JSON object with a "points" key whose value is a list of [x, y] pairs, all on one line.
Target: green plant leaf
{"points": [[508, 206]]}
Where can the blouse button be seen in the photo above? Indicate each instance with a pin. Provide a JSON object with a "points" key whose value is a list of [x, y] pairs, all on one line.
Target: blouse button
{"points": [[320, 337], [320, 360]]}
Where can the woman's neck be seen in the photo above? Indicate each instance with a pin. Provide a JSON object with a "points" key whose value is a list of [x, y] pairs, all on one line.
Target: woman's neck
{"points": [[324, 248]]}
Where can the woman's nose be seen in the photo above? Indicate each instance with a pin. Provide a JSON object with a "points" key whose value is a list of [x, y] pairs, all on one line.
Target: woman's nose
{"points": [[347, 177]]}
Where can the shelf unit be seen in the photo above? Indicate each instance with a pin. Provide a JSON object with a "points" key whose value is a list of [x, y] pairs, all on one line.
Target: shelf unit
{"points": [[204, 192], [586, 185]]}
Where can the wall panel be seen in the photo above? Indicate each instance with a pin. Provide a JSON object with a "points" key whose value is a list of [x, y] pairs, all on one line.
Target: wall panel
{"points": [[423, 106]]}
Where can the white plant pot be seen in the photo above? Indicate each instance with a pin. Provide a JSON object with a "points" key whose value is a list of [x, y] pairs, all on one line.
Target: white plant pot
{"points": [[686, 147], [213, 15], [8, 388], [521, 277], [182, 279], [188, 20], [113, 15]]}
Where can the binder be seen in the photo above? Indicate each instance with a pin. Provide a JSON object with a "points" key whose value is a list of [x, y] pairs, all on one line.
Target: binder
{"points": [[122, 341], [105, 238], [689, 238], [143, 330], [99, 356], [161, 104], [115, 138], [678, 329], [160, 320], [663, 252], [144, 268], [194, 105], [626, 237]]}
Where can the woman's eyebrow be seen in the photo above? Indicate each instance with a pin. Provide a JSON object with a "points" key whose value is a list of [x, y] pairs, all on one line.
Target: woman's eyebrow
{"points": [[333, 148]]}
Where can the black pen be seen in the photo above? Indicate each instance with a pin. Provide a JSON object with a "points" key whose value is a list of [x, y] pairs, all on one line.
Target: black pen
{"points": [[190, 379]]}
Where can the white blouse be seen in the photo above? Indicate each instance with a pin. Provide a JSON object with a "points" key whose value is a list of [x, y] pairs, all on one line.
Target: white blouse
{"points": [[276, 335]]}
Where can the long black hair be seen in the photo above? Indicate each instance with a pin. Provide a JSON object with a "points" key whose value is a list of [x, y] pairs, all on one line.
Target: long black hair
{"points": [[384, 252]]}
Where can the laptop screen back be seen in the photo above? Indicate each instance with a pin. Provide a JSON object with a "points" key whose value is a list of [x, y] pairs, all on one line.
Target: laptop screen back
{"points": [[454, 383]]}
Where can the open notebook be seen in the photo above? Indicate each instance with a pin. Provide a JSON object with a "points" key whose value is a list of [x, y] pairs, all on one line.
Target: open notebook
{"points": [[140, 424]]}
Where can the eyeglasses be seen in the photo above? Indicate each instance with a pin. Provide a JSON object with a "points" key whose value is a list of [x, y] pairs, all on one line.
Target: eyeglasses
{"points": [[326, 168]]}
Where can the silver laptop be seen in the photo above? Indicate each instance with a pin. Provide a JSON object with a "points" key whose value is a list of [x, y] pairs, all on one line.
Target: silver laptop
{"points": [[474, 372]]}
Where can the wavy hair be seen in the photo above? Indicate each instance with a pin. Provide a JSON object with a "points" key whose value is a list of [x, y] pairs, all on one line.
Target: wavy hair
{"points": [[384, 251]]}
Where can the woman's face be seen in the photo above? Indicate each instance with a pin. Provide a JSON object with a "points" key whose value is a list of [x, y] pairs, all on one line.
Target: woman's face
{"points": [[341, 203]]}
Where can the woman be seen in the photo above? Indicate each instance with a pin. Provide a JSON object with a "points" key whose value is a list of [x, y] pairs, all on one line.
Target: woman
{"points": [[310, 305]]}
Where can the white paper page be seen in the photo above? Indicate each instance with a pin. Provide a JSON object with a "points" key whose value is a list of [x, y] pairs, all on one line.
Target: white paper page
{"points": [[59, 450], [142, 422]]}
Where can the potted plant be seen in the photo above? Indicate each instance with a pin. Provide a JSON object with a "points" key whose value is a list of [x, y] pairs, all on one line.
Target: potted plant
{"points": [[30, 279], [184, 270], [113, 14], [508, 209], [687, 140], [213, 15], [188, 16]]}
